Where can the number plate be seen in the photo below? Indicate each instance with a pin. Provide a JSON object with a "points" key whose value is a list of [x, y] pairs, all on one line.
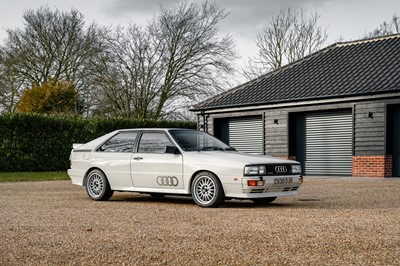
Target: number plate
{"points": [[283, 181]]}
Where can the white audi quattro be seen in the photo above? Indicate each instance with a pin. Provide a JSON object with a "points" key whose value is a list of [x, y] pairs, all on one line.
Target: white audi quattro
{"points": [[179, 161]]}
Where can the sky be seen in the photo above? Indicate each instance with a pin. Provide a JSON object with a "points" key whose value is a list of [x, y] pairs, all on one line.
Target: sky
{"points": [[343, 19]]}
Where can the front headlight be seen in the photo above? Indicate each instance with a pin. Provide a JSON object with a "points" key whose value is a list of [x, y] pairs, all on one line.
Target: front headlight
{"points": [[296, 169], [255, 170]]}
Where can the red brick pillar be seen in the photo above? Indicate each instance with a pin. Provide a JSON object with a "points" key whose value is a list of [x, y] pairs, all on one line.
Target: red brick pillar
{"points": [[291, 157], [372, 166]]}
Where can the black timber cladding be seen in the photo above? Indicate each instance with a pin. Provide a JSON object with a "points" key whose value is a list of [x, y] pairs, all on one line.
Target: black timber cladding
{"points": [[276, 132], [369, 130], [343, 69], [396, 142]]}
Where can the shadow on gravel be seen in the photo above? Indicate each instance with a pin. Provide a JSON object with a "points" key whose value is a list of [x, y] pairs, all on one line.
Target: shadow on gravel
{"points": [[327, 202], [150, 199], [229, 204]]}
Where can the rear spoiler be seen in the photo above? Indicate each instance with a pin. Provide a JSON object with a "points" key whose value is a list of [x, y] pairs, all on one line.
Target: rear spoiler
{"points": [[76, 145]]}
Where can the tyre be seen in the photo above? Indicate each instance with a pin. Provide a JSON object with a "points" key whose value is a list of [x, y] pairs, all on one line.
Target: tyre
{"points": [[263, 200], [207, 190], [97, 186]]}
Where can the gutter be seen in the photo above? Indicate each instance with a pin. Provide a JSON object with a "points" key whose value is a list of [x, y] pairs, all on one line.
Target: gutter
{"points": [[293, 104]]}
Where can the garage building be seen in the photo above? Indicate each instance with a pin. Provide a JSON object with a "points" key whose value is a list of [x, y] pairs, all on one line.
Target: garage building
{"points": [[337, 111]]}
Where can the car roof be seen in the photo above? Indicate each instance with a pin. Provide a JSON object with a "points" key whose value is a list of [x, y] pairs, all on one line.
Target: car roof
{"points": [[153, 129]]}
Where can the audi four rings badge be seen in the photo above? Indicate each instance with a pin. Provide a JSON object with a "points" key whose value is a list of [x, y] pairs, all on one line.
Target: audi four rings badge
{"points": [[280, 169], [168, 181]]}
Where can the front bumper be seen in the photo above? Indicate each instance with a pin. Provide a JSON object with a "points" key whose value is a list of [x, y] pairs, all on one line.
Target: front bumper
{"points": [[268, 186]]}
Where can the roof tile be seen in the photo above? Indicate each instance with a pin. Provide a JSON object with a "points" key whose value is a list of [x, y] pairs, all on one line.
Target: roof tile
{"points": [[344, 69]]}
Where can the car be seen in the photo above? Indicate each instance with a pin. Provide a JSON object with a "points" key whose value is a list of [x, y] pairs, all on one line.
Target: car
{"points": [[182, 162]]}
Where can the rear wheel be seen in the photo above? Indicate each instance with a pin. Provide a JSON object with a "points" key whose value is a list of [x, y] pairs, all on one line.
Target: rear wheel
{"points": [[207, 190], [263, 200], [97, 186]]}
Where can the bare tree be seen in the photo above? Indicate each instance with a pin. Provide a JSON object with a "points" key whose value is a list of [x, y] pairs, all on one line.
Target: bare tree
{"points": [[287, 38], [52, 45], [386, 28], [179, 56], [129, 73], [10, 85]]}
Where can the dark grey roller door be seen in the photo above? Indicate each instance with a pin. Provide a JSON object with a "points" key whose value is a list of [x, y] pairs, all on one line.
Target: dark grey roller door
{"points": [[246, 134], [396, 143], [324, 143]]}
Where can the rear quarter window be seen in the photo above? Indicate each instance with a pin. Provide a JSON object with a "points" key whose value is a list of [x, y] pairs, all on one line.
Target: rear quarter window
{"points": [[122, 142]]}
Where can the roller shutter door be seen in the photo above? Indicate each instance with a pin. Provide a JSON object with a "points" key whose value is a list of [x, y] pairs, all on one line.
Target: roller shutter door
{"points": [[324, 143], [396, 143], [246, 134]]}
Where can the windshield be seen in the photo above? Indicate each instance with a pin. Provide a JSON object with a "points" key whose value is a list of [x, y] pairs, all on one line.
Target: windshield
{"points": [[192, 140]]}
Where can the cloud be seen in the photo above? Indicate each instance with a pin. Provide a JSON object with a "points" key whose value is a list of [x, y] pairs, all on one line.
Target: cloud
{"points": [[243, 15], [239, 8], [247, 14], [141, 7], [245, 20]]}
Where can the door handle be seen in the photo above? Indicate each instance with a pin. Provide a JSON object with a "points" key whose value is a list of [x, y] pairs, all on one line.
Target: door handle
{"points": [[137, 158]]}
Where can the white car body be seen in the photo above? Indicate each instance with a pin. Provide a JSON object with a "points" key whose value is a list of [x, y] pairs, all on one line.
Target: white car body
{"points": [[173, 173]]}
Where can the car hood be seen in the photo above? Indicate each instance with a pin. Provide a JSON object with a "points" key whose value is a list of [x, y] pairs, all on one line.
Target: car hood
{"points": [[235, 158]]}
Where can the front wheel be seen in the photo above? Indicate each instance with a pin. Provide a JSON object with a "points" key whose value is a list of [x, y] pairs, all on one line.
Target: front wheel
{"points": [[97, 186], [207, 190]]}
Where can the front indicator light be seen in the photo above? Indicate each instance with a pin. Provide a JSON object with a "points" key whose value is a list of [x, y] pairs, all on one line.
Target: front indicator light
{"points": [[255, 183], [300, 180]]}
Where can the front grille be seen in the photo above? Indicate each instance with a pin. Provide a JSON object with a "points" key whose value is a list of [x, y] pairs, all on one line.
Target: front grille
{"points": [[274, 189], [278, 169]]}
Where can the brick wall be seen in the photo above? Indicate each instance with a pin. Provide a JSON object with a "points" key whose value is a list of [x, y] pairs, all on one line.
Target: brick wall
{"points": [[372, 166]]}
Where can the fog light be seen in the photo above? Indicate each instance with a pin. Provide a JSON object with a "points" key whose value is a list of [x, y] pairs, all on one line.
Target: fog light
{"points": [[255, 183]]}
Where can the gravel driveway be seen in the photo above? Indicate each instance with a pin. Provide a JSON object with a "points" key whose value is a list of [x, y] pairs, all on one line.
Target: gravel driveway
{"points": [[332, 222]]}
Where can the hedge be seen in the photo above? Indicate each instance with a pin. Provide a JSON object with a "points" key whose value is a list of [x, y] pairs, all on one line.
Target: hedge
{"points": [[37, 142]]}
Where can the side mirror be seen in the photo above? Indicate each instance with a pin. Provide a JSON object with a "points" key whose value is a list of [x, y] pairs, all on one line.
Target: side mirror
{"points": [[172, 150]]}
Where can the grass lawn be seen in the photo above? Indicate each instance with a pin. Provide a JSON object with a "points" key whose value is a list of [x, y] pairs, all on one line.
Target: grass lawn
{"points": [[32, 176]]}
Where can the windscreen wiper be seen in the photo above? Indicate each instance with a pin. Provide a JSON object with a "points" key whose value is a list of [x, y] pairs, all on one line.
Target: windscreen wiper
{"points": [[210, 148], [215, 148]]}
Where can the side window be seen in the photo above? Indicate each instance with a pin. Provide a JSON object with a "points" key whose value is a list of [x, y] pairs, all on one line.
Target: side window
{"points": [[154, 142], [123, 142], [186, 141]]}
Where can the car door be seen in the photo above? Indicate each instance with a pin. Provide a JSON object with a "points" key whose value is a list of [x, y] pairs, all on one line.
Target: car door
{"points": [[152, 167]]}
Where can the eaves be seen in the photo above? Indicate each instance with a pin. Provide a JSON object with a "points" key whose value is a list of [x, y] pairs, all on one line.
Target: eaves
{"points": [[296, 103]]}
